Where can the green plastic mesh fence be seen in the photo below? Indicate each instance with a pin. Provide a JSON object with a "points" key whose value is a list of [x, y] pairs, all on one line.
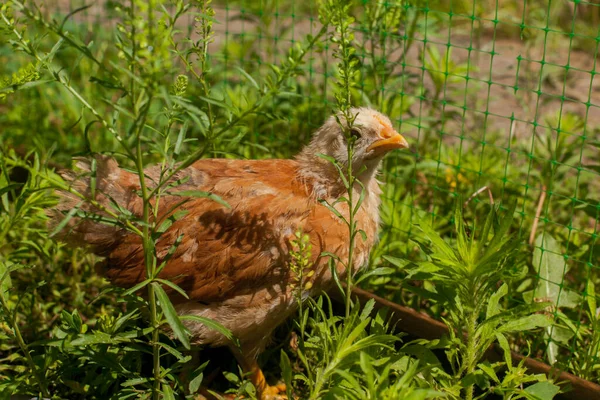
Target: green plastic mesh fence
{"points": [[499, 101]]}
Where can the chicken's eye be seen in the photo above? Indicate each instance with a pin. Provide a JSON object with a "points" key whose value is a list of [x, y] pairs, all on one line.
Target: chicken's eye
{"points": [[355, 133]]}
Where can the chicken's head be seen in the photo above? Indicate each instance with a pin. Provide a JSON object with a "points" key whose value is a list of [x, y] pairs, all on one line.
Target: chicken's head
{"points": [[370, 132]]}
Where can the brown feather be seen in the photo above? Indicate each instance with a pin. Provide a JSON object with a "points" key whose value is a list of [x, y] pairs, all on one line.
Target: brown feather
{"points": [[226, 252]]}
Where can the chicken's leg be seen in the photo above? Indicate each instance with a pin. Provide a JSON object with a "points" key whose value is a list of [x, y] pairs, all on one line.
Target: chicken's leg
{"points": [[265, 392]]}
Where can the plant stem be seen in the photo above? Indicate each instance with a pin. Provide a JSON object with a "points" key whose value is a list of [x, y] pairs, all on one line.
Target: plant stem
{"points": [[322, 378], [470, 358], [345, 101], [148, 248], [155, 344], [149, 262], [147, 241], [205, 38], [132, 94], [351, 230]]}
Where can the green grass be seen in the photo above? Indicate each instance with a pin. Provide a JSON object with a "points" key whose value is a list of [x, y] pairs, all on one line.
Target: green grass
{"points": [[249, 81]]}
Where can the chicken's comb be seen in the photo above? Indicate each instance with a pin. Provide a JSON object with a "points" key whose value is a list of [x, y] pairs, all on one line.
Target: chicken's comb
{"points": [[387, 131]]}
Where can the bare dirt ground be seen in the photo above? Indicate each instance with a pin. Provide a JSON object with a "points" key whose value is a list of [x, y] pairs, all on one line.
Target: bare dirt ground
{"points": [[529, 82], [517, 93], [566, 84]]}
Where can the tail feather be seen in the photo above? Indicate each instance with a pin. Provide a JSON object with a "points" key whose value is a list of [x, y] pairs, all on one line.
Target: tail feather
{"points": [[102, 180]]}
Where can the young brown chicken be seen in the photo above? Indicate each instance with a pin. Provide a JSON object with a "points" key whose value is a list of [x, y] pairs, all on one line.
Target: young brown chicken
{"points": [[233, 262]]}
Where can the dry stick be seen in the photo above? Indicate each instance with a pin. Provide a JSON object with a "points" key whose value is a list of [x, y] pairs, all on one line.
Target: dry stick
{"points": [[466, 203], [478, 192], [537, 215]]}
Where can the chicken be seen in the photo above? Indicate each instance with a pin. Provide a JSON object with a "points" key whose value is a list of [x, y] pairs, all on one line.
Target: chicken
{"points": [[233, 262]]}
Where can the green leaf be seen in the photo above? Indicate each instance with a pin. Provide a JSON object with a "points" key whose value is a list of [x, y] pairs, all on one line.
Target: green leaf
{"points": [[485, 233], [595, 168], [77, 322], [180, 357], [5, 282], [380, 271], [172, 286], [526, 323], [425, 293], [475, 378], [200, 194], [334, 162], [196, 378], [551, 267], [50, 55], [503, 343], [26, 85], [167, 392], [9, 187], [359, 330], [333, 210], [217, 102], [568, 298], [543, 390], [134, 382], [462, 240], [330, 255], [560, 334], [95, 338], [286, 372], [231, 377], [106, 83], [361, 198], [137, 287], [123, 319], [249, 77], [398, 262], [514, 312], [489, 371], [65, 220], [500, 232], [210, 324], [423, 271], [591, 298], [362, 234], [171, 315], [181, 137], [194, 112], [493, 306], [436, 240], [166, 224], [168, 256], [367, 309]]}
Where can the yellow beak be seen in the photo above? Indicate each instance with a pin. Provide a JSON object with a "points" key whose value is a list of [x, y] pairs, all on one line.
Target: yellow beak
{"points": [[392, 142]]}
